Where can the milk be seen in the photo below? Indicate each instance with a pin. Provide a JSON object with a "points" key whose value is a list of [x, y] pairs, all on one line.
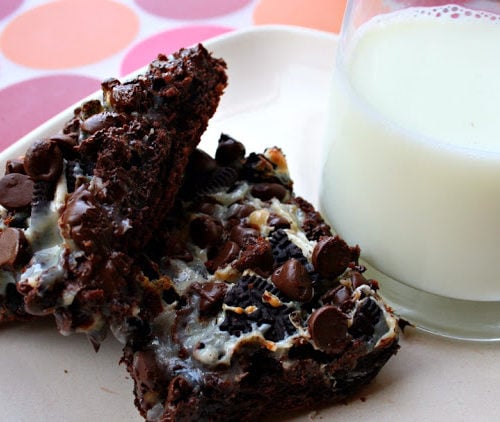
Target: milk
{"points": [[412, 172]]}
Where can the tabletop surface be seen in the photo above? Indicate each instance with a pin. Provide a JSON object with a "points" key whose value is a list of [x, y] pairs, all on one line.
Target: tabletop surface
{"points": [[53, 53]]}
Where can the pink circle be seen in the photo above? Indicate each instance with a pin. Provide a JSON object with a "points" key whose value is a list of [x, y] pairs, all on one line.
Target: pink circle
{"points": [[8, 6], [167, 42], [191, 9], [26, 105]]}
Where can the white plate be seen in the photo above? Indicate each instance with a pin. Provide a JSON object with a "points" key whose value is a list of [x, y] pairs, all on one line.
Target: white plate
{"points": [[277, 95]]}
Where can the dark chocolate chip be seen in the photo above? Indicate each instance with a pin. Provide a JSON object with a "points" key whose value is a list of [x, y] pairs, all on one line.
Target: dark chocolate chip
{"points": [[243, 235], [266, 191], [79, 208], [284, 249], [211, 297], [328, 329], [331, 256], [13, 246], [43, 160], [228, 253], [278, 221], [206, 208], [16, 191], [340, 296], [15, 165], [146, 369], [357, 279], [229, 151], [201, 163], [205, 231], [293, 280], [102, 121], [240, 210]]}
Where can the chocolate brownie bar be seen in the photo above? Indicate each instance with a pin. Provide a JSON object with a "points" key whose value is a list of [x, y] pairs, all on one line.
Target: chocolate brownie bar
{"points": [[80, 205], [264, 309]]}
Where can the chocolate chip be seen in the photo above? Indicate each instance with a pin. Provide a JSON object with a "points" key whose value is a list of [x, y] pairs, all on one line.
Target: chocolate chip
{"points": [[331, 256], [278, 221], [328, 328], [43, 160], [293, 280], [229, 151], [78, 211], [146, 369], [206, 208], [16, 191], [340, 296], [211, 297], [243, 235], [240, 210], [102, 121], [228, 253], [205, 231], [266, 191], [15, 165], [357, 279], [13, 246]]}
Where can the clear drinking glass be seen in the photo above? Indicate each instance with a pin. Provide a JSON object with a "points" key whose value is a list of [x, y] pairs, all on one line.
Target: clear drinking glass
{"points": [[412, 167]]}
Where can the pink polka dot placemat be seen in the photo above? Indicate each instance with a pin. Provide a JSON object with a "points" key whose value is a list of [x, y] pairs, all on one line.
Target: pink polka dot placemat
{"points": [[52, 53]]}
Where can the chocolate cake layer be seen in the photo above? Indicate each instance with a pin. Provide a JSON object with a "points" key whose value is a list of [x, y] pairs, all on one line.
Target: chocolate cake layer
{"points": [[89, 198], [264, 309]]}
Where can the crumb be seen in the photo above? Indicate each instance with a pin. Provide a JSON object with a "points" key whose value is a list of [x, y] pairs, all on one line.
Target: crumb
{"points": [[66, 371], [403, 323]]}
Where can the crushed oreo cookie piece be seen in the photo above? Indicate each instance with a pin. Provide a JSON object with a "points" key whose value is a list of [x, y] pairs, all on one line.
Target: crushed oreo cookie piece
{"points": [[246, 304]]}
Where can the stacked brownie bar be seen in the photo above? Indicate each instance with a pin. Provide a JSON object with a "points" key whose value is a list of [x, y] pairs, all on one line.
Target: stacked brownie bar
{"points": [[94, 194]]}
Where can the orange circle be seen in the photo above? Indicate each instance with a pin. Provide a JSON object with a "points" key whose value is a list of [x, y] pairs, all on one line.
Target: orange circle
{"points": [[325, 15], [68, 33]]}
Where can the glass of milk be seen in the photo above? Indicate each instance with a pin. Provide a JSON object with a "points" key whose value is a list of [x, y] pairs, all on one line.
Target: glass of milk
{"points": [[412, 166]]}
